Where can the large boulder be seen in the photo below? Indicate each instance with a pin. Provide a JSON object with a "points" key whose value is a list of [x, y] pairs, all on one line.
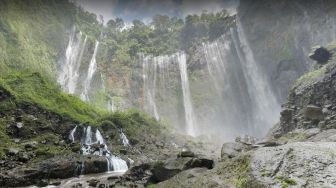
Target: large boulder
{"points": [[301, 164], [232, 149], [320, 54]]}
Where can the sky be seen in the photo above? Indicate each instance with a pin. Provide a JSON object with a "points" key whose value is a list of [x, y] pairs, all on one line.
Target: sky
{"points": [[144, 10]]}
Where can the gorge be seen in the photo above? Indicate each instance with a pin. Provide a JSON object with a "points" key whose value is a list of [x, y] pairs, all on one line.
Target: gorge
{"points": [[239, 96]]}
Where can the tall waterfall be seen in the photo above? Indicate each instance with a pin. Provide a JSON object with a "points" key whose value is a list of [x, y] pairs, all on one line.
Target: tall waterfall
{"points": [[243, 100], [90, 138], [160, 89], [150, 69], [69, 69], [91, 71], [188, 109]]}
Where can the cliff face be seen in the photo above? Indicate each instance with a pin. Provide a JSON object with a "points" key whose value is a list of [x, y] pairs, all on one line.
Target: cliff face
{"points": [[281, 34], [310, 104]]}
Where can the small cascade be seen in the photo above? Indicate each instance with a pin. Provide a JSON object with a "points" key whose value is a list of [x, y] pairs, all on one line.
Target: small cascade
{"points": [[93, 143], [188, 109], [110, 105], [90, 73], [72, 134], [124, 138], [69, 67]]}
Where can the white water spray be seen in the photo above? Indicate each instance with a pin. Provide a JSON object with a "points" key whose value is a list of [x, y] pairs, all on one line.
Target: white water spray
{"points": [[188, 109], [91, 71], [69, 72]]}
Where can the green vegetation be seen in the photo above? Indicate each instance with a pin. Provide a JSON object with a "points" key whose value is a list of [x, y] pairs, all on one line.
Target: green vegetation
{"points": [[285, 182], [132, 121], [34, 88], [32, 34], [310, 77]]}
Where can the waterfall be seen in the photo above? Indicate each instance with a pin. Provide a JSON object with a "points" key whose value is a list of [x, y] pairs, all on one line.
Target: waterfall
{"points": [[69, 68], [266, 103], [90, 138], [110, 105], [242, 100], [90, 73], [188, 109], [72, 134], [149, 69], [124, 138]]}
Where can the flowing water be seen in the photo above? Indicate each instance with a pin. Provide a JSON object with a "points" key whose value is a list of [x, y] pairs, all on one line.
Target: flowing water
{"points": [[91, 137], [90, 73], [188, 108], [149, 72], [69, 69]]}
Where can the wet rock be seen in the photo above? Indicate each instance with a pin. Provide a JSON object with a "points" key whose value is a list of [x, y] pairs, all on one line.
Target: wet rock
{"points": [[313, 112], [95, 164], [12, 151], [23, 157], [186, 153], [43, 183], [93, 182], [320, 54]]}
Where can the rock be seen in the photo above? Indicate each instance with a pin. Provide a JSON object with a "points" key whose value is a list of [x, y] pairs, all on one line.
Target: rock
{"points": [[12, 151], [123, 151], [230, 150], [43, 183], [31, 145], [95, 164], [23, 157], [313, 112], [93, 182], [303, 164], [186, 153], [320, 54], [199, 163], [19, 125]]}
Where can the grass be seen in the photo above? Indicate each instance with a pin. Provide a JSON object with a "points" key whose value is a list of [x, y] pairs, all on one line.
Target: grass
{"points": [[34, 88], [310, 76], [285, 182]]}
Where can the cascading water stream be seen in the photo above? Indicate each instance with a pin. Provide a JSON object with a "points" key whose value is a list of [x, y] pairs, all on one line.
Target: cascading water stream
{"points": [[188, 109], [91, 71], [149, 68], [90, 138], [69, 71], [124, 138]]}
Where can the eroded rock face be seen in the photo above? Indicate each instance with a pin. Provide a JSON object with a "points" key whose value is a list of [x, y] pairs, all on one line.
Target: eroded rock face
{"points": [[299, 164]]}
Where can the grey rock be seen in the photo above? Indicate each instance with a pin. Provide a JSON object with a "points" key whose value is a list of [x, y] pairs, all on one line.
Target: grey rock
{"points": [[230, 150], [313, 112], [305, 164], [186, 153], [23, 157], [93, 182], [19, 125], [12, 151]]}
